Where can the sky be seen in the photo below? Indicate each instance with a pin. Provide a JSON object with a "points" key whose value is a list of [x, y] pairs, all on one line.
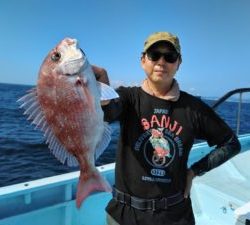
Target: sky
{"points": [[214, 37]]}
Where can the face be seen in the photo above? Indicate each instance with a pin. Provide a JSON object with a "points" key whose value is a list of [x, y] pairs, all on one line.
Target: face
{"points": [[160, 63]]}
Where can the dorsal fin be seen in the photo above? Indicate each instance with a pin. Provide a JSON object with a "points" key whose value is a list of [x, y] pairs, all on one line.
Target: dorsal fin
{"points": [[34, 111]]}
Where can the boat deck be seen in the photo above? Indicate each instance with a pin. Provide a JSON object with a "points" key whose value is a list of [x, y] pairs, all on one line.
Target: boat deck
{"points": [[216, 196]]}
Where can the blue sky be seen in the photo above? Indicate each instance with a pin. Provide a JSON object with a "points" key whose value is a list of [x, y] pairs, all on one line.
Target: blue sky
{"points": [[214, 35]]}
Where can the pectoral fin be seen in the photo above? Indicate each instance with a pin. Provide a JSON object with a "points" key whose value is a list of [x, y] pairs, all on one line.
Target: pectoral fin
{"points": [[107, 92]]}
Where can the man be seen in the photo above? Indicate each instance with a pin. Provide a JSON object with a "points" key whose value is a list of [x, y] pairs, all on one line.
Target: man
{"points": [[158, 125]]}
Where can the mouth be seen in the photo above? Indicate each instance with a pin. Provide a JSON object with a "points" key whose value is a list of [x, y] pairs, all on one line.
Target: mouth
{"points": [[160, 71]]}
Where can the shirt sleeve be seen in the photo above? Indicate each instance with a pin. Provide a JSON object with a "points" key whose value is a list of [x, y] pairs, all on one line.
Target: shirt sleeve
{"points": [[217, 156], [210, 127], [116, 108]]}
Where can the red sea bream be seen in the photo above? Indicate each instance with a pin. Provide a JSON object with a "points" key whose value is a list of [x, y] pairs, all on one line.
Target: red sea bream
{"points": [[65, 105]]}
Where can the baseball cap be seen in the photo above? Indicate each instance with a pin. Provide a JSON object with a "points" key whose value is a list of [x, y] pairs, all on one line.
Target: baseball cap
{"points": [[162, 36]]}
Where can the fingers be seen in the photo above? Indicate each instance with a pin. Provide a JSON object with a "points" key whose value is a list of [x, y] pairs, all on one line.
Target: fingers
{"points": [[187, 190], [100, 74], [105, 102], [190, 177]]}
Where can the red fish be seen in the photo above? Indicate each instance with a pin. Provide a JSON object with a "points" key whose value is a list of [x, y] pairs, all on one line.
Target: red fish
{"points": [[65, 105]]}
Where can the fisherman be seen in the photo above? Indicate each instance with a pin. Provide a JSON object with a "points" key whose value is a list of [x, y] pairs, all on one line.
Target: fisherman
{"points": [[158, 126]]}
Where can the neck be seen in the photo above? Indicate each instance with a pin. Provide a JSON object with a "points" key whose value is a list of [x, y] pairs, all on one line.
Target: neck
{"points": [[169, 92], [158, 90]]}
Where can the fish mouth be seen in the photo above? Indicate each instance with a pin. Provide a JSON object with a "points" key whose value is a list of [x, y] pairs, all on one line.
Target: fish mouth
{"points": [[72, 74]]}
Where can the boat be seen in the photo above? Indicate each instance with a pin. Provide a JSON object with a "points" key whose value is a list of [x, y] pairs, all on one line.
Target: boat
{"points": [[220, 197]]}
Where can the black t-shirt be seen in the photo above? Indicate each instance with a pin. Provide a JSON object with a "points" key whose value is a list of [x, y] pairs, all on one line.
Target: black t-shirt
{"points": [[155, 141]]}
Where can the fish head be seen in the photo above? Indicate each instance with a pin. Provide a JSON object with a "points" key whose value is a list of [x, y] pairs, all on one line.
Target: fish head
{"points": [[66, 59]]}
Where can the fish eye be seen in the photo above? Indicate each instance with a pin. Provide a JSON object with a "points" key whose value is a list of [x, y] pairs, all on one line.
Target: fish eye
{"points": [[55, 56]]}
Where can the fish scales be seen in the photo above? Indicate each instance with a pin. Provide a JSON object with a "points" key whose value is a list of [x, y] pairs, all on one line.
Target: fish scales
{"points": [[65, 105]]}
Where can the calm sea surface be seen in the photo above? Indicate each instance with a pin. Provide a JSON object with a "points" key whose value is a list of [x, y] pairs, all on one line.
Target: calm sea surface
{"points": [[25, 157]]}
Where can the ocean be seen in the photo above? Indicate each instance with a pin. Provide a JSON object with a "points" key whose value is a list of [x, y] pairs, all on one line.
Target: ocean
{"points": [[24, 156]]}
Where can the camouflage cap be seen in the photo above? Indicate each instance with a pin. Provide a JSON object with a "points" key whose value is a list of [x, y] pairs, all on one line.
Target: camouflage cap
{"points": [[162, 36]]}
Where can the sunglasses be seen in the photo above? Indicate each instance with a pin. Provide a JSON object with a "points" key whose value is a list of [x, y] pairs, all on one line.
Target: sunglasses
{"points": [[169, 57]]}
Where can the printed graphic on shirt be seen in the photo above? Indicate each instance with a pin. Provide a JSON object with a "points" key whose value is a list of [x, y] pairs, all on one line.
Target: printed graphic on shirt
{"points": [[160, 145]]}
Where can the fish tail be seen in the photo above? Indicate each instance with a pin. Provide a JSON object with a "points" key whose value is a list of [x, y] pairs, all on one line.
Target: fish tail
{"points": [[86, 186]]}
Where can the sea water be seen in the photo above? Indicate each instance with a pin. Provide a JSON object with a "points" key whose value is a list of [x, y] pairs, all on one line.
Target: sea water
{"points": [[24, 156]]}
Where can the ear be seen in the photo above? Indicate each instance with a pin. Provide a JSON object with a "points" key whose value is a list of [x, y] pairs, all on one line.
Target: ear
{"points": [[179, 63], [143, 61]]}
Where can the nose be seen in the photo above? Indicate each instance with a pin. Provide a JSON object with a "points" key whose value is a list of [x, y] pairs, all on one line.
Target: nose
{"points": [[161, 60]]}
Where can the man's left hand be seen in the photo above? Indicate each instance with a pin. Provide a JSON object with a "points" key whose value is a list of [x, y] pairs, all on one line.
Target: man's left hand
{"points": [[190, 177]]}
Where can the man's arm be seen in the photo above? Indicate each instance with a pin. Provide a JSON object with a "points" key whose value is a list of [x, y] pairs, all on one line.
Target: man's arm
{"points": [[218, 156]]}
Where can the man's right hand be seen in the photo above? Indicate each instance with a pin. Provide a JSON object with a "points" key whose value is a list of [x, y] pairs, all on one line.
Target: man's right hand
{"points": [[100, 74]]}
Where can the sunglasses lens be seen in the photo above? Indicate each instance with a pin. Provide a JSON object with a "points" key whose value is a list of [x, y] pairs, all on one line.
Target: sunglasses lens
{"points": [[169, 57], [154, 56]]}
